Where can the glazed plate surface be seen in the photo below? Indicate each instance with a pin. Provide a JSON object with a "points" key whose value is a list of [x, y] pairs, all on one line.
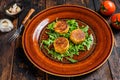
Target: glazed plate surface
{"points": [[99, 54]]}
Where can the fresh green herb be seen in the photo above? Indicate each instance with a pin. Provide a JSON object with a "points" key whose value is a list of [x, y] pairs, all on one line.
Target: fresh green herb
{"points": [[72, 25], [73, 48], [71, 60], [54, 54], [51, 26]]}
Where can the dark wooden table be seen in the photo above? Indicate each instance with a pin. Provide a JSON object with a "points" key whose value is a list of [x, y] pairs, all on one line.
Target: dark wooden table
{"points": [[14, 65]]}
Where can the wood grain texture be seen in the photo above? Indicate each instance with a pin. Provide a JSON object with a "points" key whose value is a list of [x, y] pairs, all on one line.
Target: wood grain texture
{"points": [[114, 63], [22, 67], [103, 73], [114, 60], [96, 5], [90, 4], [76, 2], [6, 54], [117, 3], [14, 65], [3, 4], [6, 58], [117, 37], [50, 3]]}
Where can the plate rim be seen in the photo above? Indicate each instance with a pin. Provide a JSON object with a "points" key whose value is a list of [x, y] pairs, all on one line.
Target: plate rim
{"points": [[74, 75]]}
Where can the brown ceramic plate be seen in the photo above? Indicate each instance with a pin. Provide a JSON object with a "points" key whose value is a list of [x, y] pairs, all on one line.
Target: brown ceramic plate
{"points": [[99, 54]]}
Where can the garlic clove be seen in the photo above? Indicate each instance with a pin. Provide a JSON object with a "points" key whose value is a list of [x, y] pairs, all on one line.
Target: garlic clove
{"points": [[13, 9], [6, 25]]}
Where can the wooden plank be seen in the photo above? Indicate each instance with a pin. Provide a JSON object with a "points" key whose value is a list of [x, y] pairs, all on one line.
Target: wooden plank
{"points": [[114, 63], [3, 4], [38, 5], [60, 2], [117, 3], [23, 69], [116, 32], [103, 73], [6, 50], [6, 57], [51, 77], [116, 37], [97, 5], [94, 4], [76, 2], [90, 4], [50, 3], [114, 60]]}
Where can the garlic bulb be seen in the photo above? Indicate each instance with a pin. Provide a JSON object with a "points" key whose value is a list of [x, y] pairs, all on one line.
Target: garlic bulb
{"points": [[6, 25], [13, 9]]}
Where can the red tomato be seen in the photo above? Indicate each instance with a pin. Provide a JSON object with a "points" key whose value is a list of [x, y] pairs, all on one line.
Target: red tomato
{"points": [[115, 20], [107, 8]]}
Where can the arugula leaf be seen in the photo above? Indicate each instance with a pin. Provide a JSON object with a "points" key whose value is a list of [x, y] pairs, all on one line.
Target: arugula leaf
{"points": [[88, 42], [73, 48], [54, 54], [85, 28], [71, 60], [72, 24], [51, 26], [47, 42]]}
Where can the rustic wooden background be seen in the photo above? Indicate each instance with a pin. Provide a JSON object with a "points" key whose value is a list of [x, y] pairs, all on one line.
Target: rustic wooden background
{"points": [[14, 65]]}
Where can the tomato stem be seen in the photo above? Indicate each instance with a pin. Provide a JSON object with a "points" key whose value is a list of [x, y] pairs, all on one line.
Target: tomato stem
{"points": [[117, 22], [103, 8]]}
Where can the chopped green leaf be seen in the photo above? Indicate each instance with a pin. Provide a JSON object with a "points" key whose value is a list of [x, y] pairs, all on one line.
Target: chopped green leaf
{"points": [[73, 48], [51, 26], [71, 60]]}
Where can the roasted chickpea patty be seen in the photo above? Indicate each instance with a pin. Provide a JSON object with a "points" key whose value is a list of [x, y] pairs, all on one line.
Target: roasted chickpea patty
{"points": [[61, 27], [61, 44], [77, 36]]}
